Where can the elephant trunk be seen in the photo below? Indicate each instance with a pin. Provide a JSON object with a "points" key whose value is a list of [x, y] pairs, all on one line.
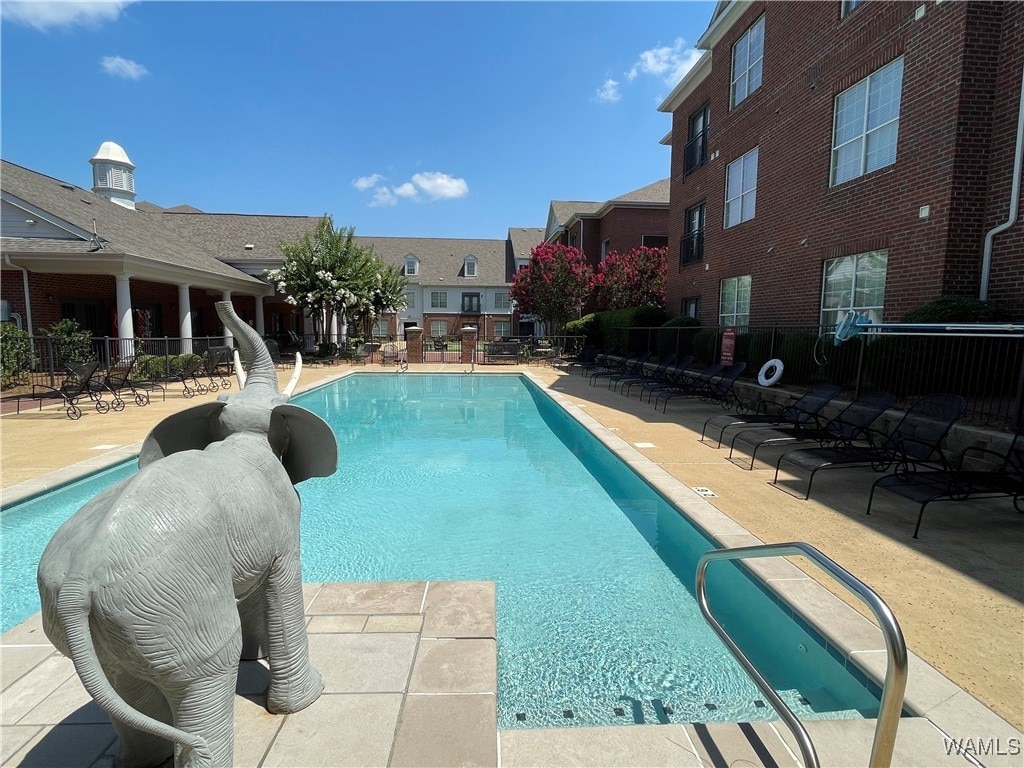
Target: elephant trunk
{"points": [[261, 371]]}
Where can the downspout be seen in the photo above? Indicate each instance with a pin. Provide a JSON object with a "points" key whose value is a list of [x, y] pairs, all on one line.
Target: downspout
{"points": [[986, 259], [28, 299]]}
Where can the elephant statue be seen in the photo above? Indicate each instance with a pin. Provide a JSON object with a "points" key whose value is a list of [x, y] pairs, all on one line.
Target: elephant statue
{"points": [[158, 586]]}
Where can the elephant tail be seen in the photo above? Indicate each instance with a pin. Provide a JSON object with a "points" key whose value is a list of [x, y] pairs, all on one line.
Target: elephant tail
{"points": [[73, 606]]}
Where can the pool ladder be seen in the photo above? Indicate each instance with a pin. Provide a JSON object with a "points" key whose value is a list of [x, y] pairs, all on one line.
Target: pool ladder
{"points": [[896, 649]]}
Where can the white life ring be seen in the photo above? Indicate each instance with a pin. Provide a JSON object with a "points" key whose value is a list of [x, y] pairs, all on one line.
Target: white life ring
{"points": [[770, 372]]}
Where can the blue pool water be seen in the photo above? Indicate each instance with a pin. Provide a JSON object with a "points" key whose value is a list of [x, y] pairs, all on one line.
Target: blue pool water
{"points": [[484, 478]]}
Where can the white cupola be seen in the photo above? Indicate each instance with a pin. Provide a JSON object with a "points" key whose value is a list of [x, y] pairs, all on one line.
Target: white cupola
{"points": [[112, 175]]}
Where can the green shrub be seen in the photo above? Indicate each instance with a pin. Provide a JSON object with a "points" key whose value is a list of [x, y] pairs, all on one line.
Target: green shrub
{"points": [[755, 349], [672, 339], [15, 355], [587, 327], [705, 345], [957, 309], [620, 332], [69, 343]]}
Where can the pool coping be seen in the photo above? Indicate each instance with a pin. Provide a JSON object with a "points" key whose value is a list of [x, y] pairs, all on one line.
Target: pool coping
{"points": [[929, 694]]}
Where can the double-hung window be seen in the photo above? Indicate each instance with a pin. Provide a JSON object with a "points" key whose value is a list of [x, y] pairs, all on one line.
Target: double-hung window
{"points": [[747, 54], [502, 301], [410, 300], [412, 266], [691, 247], [867, 124], [696, 151], [741, 189], [439, 300], [734, 303], [854, 282], [469, 270]]}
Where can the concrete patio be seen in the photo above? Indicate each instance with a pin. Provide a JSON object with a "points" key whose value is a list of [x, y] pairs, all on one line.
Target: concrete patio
{"points": [[410, 669]]}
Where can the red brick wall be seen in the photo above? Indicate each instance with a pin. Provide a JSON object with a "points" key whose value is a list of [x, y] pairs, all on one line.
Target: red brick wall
{"points": [[624, 228], [810, 56]]}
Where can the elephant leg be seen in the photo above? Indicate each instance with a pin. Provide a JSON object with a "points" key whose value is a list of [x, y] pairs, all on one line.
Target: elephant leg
{"points": [[205, 707], [252, 612], [138, 748], [294, 683]]}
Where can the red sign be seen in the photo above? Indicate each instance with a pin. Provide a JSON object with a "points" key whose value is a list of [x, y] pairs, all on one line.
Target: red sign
{"points": [[728, 346]]}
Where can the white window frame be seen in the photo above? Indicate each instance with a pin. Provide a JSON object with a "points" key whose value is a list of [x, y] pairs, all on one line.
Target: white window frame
{"points": [[380, 328], [438, 328], [865, 291], [502, 300], [469, 267], [866, 124], [439, 299], [746, 72], [410, 300], [502, 328], [737, 311], [743, 199], [414, 263]]}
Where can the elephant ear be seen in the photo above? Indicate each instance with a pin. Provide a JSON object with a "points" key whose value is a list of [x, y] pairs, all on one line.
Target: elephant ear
{"points": [[306, 444], [191, 429]]}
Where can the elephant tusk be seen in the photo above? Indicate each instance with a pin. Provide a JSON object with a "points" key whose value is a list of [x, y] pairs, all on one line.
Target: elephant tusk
{"points": [[239, 370], [294, 380]]}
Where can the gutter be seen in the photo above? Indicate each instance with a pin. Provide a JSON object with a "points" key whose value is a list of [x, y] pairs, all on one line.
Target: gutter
{"points": [[986, 259], [28, 299]]}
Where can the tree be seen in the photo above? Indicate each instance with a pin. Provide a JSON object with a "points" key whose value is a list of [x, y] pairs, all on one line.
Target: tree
{"points": [[632, 279], [553, 285], [327, 271]]}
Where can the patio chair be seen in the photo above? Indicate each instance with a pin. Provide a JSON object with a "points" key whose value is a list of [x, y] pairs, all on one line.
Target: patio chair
{"points": [[588, 355], [635, 371], [661, 375], [676, 376], [364, 352], [70, 392], [615, 367], [1004, 478], [802, 411], [658, 373], [916, 440], [187, 373], [275, 354], [714, 383], [217, 365], [118, 378], [846, 426], [601, 360]]}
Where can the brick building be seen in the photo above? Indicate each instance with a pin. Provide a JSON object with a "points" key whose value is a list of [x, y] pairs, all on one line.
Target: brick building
{"points": [[832, 155]]}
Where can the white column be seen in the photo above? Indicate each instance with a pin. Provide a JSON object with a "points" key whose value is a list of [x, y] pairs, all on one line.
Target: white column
{"points": [[334, 328], [125, 323], [261, 328], [185, 318], [228, 338]]}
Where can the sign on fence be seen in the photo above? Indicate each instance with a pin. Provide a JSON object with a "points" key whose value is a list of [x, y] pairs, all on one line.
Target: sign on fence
{"points": [[728, 346]]}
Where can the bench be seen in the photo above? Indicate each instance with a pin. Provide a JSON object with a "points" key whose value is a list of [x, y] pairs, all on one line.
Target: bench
{"points": [[503, 351]]}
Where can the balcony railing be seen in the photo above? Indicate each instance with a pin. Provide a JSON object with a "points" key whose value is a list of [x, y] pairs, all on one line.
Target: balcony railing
{"points": [[696, 151], [691, 247]]}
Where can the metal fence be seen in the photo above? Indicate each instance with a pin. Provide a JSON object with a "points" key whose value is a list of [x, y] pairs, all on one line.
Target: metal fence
{"points": [[983, 363]]}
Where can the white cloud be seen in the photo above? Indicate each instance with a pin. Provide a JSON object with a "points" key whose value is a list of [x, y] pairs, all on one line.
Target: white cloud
{"points": [[126, 68], [44, 15], [383, 196], [364, 183], [667, 62], [405, 190], [609, 92], [440, 185]]}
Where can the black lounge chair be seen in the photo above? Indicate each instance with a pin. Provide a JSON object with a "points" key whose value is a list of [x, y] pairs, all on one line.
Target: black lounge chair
{"points": [[182, 376], [588, 355], [118, 379], [218, 365], [715, 387], [1004, 479], [75, 386], [661, 375], [677, 376], [639, 371], [916, 440], [615, 367], [801, 412], [601, 360], [851, 423]]}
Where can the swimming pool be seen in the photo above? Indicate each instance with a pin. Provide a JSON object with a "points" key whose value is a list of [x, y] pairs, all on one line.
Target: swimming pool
{"points": [[485, 478]]}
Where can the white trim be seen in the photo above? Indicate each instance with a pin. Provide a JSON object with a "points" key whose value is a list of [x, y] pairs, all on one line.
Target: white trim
{"points": [[698, 72]]}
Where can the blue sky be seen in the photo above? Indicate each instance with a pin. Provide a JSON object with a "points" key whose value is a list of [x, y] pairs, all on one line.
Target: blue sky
{"points": [[402, 119]]}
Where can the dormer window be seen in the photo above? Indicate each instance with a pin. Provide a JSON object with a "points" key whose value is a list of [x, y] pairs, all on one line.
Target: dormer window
{"points": [[412, 266], [470, 267]]}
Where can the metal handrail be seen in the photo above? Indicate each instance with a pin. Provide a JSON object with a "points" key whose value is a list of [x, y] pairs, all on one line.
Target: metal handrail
{"points": [[895, 683]]}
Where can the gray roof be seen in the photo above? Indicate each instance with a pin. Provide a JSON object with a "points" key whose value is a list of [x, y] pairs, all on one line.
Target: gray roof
{"points": [[45, 245], [442, 259], [523, 240], [566, 209], [120, 229], [652, 193]]}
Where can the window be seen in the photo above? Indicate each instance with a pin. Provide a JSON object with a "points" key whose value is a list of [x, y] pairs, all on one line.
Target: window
{"points": [[439, 300], [469, 269], [410, 301], [412, 266], [849, 6], [654, 241], [696, 150], [854, 282], [741, 189], [503, 328], [438, 328], [502, 301], [867, 122], [734, 305], [604, 249], [691, 247], [471, 303], [746, 62], [690, 307], [380, 328]]}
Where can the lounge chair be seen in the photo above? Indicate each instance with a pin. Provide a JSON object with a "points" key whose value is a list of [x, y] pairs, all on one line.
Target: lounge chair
{"points": [[636, 371], [846, 426], [679, 375], [916, 440], [801, 412], [658, 373], [364, 352], [588, 355], [75, 386], [614, 367], [1004, 478], [218, 367], [714, 384], [660, 376], [187, 373], [118, 379]]}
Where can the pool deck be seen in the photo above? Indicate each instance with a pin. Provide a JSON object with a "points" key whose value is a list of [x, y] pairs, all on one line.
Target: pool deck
{"points": [[410, 669]]}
